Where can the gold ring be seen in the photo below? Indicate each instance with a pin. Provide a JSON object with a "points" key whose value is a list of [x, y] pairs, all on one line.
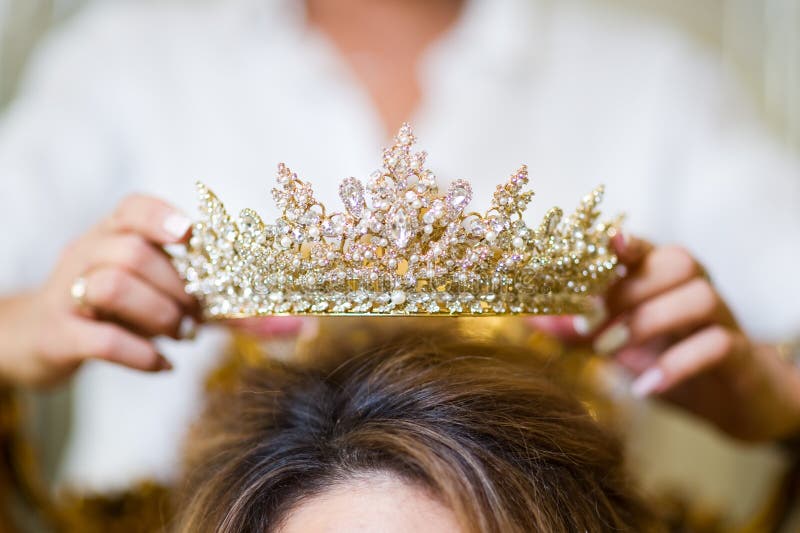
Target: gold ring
{"points": [[78, 291]]}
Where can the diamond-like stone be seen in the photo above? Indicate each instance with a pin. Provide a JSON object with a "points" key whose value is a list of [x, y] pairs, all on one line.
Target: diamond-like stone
{"points": [[309, 218], [351, 191], [334, 225], [399, 229], [459, 194], [301, 306]]}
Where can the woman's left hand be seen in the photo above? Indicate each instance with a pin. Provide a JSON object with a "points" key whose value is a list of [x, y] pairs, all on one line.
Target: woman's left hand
{"points": [[668, 325]]}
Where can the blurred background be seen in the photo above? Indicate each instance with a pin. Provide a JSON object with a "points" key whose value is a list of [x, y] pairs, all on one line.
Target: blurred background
{"points": [[760, 39]]}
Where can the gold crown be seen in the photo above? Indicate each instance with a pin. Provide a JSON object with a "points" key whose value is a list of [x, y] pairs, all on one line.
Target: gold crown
{"points": [[398, 248]]}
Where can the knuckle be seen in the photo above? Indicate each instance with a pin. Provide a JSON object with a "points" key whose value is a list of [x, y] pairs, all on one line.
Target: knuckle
{"points": [[70, 249], [705, 297], [107, 342], [721, 340], [136, 253], [168, 317], [129, 201], [681, 261], [125, 206], [111, 284]]}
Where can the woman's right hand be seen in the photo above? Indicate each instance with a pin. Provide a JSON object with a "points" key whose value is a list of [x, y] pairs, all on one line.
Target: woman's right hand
{"points": [[127, 293]]}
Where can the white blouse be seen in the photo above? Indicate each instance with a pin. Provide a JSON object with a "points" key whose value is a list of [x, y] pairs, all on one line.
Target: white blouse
{"points": [[151, 96]]}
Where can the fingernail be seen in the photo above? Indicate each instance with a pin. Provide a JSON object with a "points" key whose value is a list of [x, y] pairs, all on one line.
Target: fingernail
{"points": [[612, 339], [187, 328], [587, 324], [163, 363], [647, 383], [177, 225]]}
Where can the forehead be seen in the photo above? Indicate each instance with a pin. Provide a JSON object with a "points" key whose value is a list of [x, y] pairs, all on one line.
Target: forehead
{"points": [[374, 503]]}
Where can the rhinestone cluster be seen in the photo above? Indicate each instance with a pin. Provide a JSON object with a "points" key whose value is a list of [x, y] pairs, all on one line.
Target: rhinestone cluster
{"points": [[397, 248]]}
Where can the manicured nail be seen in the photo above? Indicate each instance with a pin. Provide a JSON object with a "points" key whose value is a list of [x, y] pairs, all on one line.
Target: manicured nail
{"points": [[163, 363], [187, 328], [647, 383], [177, 225], [612, 339], [587, 324]]}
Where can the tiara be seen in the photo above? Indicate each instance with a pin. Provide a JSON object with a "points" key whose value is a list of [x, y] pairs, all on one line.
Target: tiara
{"points": [[397, 248]]}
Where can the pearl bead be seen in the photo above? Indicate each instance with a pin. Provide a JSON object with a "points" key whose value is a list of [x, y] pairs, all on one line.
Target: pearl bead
{"points": [[518, 242], [490, 236], [398, 297], [286, 241]]}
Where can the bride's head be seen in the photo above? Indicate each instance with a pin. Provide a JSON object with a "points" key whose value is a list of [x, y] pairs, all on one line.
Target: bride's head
{"points": [[404, 436]]}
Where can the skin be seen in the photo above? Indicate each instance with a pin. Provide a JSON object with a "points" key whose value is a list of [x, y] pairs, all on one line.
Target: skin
{"points": [[133, 294], [381, 43], [679, 337], [685, 346], [378, 503]]}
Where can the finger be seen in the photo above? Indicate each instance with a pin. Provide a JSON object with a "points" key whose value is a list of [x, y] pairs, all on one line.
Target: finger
{"points": [[560, 327], [571, 328], [686, 307], [636, 359], [154, 219], [630, 250], [119, 294], [664, 268], [143, 259], [101, 340], [704, 350]]}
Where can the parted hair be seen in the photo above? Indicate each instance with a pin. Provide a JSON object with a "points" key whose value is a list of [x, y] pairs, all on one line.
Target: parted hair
{"points": [[504, 447]]}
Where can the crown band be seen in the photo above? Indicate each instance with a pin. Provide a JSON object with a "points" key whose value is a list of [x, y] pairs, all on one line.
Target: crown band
{"points": [[397, 248]]}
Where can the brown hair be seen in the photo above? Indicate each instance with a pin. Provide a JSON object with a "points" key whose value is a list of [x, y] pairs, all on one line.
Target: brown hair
{"points": [[503, 447]]}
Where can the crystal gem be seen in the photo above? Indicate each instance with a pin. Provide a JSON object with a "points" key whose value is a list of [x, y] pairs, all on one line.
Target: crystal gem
{"points": [[351, 191], [459, 194], [399, 229]]}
